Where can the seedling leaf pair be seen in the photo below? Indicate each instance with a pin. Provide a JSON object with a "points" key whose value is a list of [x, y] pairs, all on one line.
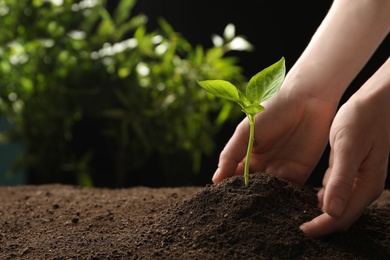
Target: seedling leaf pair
{"points": [[260, 88]]}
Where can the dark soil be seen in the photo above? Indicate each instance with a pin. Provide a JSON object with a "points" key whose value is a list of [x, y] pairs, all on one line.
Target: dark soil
{"points": [[225, 221]]}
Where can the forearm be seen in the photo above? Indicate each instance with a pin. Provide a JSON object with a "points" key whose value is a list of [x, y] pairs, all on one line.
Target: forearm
{"points": [[341, 46]]}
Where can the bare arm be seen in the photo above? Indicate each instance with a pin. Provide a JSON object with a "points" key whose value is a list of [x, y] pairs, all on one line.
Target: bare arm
{"points": [[341, 46], [308, 99], [360, 132]]}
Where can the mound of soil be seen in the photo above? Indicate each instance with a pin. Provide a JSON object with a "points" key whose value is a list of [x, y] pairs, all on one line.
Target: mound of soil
{"points": [[224, 221]]}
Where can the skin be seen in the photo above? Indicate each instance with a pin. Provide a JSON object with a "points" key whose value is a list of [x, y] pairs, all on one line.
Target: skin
{"points": [[293, 131]]}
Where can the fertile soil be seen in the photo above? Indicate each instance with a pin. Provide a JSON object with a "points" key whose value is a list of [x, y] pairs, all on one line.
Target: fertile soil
{"points": [[224, 221]]}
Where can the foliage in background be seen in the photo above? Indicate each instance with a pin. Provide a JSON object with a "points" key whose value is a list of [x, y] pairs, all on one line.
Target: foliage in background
{"points": [[65, 63]]}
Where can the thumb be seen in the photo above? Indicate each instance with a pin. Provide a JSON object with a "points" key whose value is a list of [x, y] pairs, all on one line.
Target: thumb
{"points": [[340, 177], [233, 154]]}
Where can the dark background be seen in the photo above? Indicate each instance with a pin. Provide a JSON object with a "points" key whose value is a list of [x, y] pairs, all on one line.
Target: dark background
{"points": [[275, 28]]}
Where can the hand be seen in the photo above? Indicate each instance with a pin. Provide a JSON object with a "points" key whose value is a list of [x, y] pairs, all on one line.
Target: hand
{"points": [[290, 136], [359, 140]]}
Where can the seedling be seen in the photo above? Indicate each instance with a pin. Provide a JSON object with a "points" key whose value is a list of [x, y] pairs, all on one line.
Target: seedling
{"points": [[260, 88]]}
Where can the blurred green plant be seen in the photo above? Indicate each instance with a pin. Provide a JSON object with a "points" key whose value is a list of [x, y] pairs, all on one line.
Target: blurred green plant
{"points": [[63, 62]]}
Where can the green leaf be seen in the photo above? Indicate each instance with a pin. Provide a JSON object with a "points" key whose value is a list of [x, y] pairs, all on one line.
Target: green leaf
{"points": [[222, 89], [165, 26], [267, 82], [106, 27], [224, 113], [253, 109], [123, 11]]}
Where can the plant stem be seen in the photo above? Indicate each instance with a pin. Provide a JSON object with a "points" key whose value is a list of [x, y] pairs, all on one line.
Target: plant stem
{"points": [[251, 119]]}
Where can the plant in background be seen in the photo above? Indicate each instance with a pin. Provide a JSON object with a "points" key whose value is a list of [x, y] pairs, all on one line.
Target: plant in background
{"points": [[260, 88], [90, 91]]}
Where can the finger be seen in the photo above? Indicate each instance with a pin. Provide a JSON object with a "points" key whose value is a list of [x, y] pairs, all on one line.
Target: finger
{"points": [[340, 178], [321, 192], [320, 196], [328, 171], [325, 224], [233, 153]]}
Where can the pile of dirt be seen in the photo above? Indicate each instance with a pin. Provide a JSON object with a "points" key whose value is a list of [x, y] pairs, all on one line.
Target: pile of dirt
{"points": [[224, 221]]}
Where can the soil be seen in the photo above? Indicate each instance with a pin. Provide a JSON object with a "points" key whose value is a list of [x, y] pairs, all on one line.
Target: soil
{"points": [[224, 221]]}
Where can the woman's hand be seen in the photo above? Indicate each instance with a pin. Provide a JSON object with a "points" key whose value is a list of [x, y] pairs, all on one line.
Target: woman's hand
{"points": [[290, 137], [360, 141]]}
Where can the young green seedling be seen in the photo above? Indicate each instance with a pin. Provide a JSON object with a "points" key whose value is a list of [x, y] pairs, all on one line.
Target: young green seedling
{"points": [[261, 87]]}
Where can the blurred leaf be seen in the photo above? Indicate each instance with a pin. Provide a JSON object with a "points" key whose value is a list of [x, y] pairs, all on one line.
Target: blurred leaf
{"points": [[123, 11], [224, 114], [129, 26], [106, 27], [165, 26]]}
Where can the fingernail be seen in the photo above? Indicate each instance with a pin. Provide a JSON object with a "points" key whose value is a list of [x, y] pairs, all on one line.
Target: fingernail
{"points": [[302, 227], [336, 207], [215, 176]]}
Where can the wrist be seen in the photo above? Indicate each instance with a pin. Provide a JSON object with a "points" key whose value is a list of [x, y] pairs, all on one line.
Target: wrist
{"points": [[310, 85], [375, 93]]}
